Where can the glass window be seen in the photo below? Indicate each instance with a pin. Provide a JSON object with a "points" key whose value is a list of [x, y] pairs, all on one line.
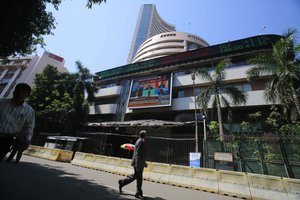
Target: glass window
{"points": [[192, 46], [247, 87], [179, 73], [143, 28], [239, 87], [181, 94], [197, 91]]}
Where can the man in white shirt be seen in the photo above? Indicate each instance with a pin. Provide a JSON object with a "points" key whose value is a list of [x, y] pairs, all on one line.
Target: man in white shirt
{"points": [[16, 118]]}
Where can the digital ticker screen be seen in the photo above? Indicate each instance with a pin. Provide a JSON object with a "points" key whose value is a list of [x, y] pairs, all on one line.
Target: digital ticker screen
{"points": [[154, 91]]}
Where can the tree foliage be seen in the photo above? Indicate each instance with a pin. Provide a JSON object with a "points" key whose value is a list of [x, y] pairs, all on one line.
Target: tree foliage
{"points": [[284, 67], [58, 101], [24, 23], [219, 92]]}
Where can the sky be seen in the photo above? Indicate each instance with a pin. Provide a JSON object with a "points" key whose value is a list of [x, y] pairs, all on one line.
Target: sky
{"points": [[101, 37]]}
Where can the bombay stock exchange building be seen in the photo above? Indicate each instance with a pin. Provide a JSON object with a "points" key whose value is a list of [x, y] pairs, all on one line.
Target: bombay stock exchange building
{"points": [[149, 24]]}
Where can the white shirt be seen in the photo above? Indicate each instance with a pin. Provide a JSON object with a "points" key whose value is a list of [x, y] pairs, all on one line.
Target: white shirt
{"points": [[16, 119]]}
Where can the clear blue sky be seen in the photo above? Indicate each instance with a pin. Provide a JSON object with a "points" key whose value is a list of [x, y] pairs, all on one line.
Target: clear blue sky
{"points": [[101, 37]]}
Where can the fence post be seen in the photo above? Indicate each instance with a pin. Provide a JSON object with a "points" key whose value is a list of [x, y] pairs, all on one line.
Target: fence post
{"points": [[285, 159], [262, 157]]}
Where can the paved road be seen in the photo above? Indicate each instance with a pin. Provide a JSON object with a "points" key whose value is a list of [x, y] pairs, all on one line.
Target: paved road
{"points": [[35, 179]]}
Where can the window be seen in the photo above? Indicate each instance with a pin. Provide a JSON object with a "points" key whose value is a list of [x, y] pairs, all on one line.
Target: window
{"points": [[197, 91], [244, 87], [192, 46], [181, 94], [247, 87]]}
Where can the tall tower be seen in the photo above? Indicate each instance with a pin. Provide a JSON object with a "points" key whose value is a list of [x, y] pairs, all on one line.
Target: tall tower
{"points": [[149, 23]]}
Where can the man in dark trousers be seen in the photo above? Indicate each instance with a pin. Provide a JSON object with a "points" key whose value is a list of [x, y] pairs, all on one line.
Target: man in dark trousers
{"points": [[138, 162]]}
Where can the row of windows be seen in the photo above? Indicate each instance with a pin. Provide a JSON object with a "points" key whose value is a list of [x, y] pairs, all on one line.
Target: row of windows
{"points": [[244, 87], [197, 38], [168, 35]]}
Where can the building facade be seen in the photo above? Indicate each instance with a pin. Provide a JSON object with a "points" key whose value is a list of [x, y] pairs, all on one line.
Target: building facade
{"points": [[24, 69], [177, 68], [162, 88], [149, 23]]}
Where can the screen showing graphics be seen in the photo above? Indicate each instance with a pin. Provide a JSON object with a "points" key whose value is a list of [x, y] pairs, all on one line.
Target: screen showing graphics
{"points": [[152, 91]]}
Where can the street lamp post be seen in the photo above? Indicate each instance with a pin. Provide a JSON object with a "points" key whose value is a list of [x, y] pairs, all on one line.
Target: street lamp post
{"points": [[204, 141], [204, 126], [196, 122]]}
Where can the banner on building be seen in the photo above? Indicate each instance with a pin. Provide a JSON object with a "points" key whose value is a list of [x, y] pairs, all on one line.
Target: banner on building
{"points": [[154, 91]]}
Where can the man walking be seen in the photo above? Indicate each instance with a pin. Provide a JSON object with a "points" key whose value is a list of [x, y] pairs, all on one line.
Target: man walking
{"points": [[16, 118], [138, 162]]}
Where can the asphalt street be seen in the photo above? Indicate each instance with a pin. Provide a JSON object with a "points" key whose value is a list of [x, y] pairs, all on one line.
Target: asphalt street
{"points": [[39, 179]]}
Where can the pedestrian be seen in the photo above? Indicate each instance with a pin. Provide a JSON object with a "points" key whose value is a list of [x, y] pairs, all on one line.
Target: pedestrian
{"points": [[16, 118], [138, 162], [20, 144]]}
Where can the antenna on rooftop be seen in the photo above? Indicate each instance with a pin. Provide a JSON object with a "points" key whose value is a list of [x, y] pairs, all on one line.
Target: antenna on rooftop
{"points": [[261, 30]]}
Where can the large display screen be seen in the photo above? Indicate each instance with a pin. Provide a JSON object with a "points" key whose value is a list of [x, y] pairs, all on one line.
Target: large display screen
{"points": [[152, 91]]}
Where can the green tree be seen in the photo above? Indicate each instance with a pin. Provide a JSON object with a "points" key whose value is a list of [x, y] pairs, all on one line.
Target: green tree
{"points": [[58, 101], [24, 23], [284, 68], [85, 80], [219, 92]]}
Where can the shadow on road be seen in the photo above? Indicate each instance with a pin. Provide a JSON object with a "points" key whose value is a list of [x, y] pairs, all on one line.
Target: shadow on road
{"points": [[32, 181]]}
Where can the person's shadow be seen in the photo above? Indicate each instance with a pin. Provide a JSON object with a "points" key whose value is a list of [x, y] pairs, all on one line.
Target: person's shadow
{"points": [[145, 197]]}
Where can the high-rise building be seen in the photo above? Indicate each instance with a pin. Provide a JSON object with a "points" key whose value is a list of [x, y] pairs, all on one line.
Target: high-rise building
{"points": [[149, 23], [24, 69]]}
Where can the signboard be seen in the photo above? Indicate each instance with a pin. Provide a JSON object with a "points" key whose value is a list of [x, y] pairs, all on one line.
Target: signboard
{"points": [[223, 161], [195, 159], [155, 91], [247, 44], [222, 156]]}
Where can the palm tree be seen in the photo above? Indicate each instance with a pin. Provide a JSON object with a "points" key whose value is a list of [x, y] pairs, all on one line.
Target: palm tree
{"points": [[284, 69], [86, 81], [219, 92]]}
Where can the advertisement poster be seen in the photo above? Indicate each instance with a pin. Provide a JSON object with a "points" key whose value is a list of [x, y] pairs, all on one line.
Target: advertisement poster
{"points": [[152, 91]]}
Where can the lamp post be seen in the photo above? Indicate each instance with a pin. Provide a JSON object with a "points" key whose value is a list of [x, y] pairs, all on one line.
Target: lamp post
{"points": [[196, 122], [204, 126], [204, 140]]}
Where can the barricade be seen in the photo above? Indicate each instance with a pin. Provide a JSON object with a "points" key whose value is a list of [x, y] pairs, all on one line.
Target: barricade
{"points": [[32, 150], [293, 188], [88, 160], [99, 162], [267, 187], [234, 184], [125, 167], [181, 176], [205, 180], [54, 153], [147, 171], [112, 164], [65, 156], [78, 159], [42, 152], [160, 173]]}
